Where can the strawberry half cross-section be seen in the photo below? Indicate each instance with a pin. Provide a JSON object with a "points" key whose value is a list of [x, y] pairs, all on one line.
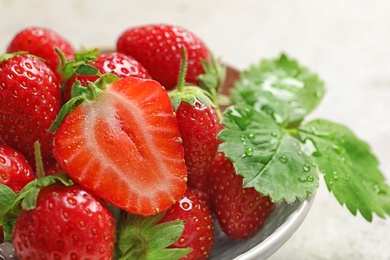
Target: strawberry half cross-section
{"points": [[125, 146]]}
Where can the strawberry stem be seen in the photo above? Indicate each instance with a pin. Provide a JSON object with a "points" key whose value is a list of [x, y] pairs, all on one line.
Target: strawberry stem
{"points": [[183, 69], [38, 160]]}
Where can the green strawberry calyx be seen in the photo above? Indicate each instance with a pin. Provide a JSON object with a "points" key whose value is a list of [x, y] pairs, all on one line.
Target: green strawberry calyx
{"points": [[190, 94], [81, 94], [67, 68], [213, 78], [145, 238]]}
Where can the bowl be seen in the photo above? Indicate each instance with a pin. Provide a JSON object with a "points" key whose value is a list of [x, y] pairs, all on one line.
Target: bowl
{"points": [[281, 224]]}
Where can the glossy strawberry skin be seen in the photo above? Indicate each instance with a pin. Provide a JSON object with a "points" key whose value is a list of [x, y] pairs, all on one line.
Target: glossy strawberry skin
{"points": [[117, 63], [199, 126], [15, 171], [158, 48], [126, 147], [198, 233], [30, 99], [67, 223], [42, 42], [240, 211]]}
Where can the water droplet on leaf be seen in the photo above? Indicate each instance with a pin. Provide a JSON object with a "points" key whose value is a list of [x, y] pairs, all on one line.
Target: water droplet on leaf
{"points": [[283, 159], [248, 152], [241, 116], [306, 167], [310, 178], [302, 179]]}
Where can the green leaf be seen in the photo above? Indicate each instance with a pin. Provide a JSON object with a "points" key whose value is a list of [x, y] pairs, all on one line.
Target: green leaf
{"points": [[7, 56], [270, 159], [67, 67], [8, 227], [30, 199], [350, 168], [145, 238], [7, 198], [169, 254], [281, 87], [87, 70], [27, 197], [165, 234], [213, 77], [189, 94]]}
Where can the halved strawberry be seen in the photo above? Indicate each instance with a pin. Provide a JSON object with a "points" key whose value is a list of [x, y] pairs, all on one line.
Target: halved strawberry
{"points": [[125, 145]]}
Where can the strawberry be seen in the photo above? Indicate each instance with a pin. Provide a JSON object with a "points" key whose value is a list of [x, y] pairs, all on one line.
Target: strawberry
{"points": [[240, 211], [67, 222], [30, 99], [119, 64], [42, 42], [199, 125], [52, 167], [198, 233], [124, 144], [157, 48], [15, 171]]}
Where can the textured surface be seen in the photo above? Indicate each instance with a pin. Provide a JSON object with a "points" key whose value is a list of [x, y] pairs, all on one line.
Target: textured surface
{"points": [[346, 42]]}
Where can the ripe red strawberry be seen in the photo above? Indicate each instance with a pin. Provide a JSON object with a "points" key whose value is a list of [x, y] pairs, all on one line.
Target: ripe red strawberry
{"points": [[240, 211], [157, 47], [125, 146], [30, 99], [198, 233], [119, 64], [42, 42], [52, 168], [66, 223], [199, 125], [15, 171]]}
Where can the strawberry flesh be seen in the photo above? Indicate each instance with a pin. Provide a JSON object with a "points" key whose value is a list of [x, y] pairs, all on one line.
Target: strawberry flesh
{"points": [[126, 147]]}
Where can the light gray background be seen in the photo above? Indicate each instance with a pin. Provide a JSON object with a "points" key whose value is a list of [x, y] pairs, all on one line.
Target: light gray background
{"points": [[346, 42]]}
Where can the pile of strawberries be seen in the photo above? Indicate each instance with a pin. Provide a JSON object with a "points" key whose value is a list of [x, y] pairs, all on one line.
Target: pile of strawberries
{"points": [[114, 155]]}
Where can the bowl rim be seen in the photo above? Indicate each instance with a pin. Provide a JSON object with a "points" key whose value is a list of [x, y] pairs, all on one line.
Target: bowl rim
{"points": [[281, 235]]}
